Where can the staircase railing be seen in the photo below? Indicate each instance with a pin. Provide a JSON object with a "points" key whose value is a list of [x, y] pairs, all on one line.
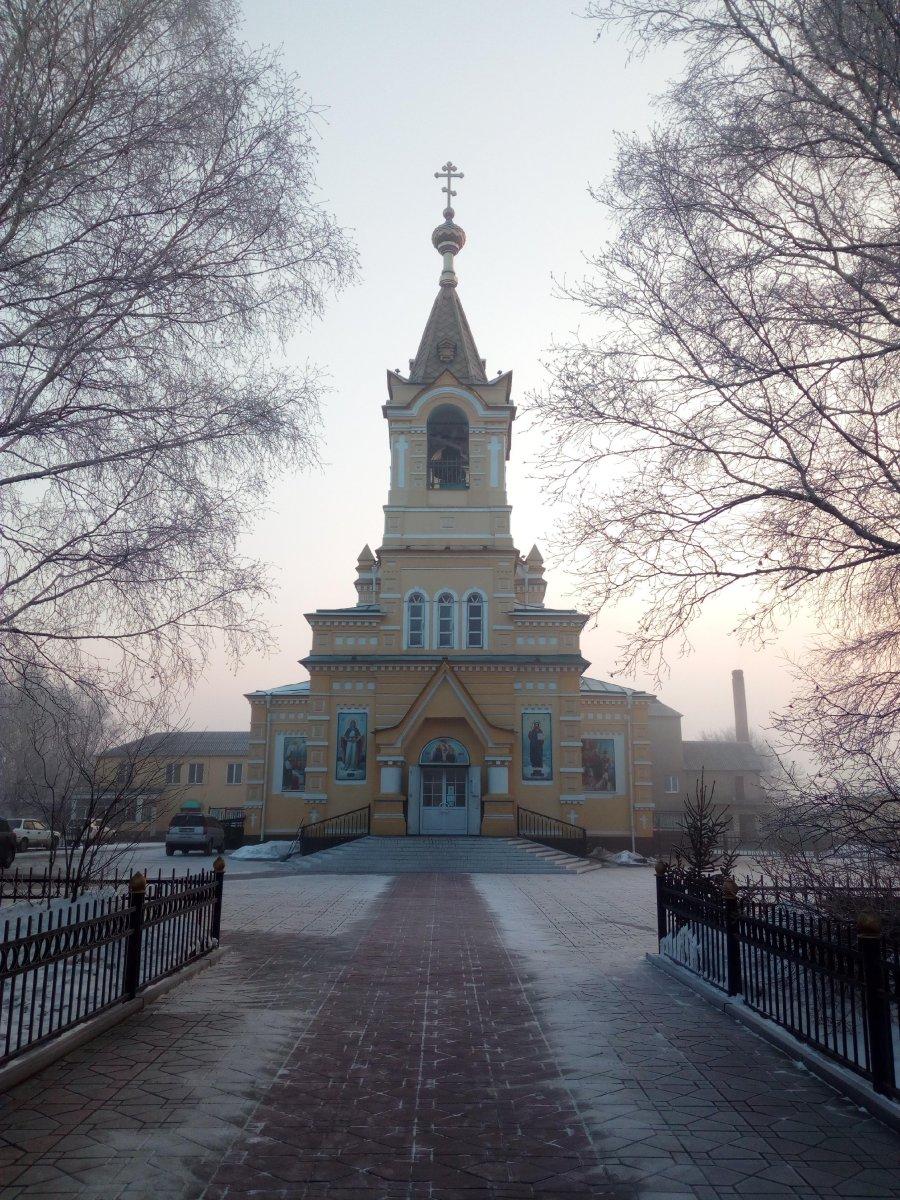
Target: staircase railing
{"points": [[332, 831], [551, 831]]}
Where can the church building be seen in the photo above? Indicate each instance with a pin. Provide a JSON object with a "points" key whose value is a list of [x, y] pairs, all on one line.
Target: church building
{"points": [[448, 695]]}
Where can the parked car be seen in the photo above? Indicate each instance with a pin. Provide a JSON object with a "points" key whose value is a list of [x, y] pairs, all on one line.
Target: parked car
{"points": [[194, 831], [32, 834], [7, 845]]}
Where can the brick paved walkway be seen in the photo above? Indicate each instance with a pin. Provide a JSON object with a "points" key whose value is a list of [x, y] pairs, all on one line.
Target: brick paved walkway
{"points": [[437, 1036]]}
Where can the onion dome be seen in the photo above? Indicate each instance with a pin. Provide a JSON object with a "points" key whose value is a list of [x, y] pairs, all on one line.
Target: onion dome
{"points": [[448, 238]]}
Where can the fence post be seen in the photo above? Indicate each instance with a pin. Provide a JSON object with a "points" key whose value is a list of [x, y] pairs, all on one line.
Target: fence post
{"points": [[877, 1002], [732, 937], [137, 889], [219, 872], [661, 927]]}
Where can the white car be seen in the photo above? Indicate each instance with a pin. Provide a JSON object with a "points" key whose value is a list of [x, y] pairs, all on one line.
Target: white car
{"points": [[33, 834]]}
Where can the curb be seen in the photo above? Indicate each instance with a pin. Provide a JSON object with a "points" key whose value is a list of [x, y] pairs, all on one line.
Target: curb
{"points": [[840, 1078], [32, 1061]]}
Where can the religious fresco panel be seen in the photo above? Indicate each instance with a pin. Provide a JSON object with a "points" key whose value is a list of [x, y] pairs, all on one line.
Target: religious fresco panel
{"points": [[537, 747], [352, 733], [293, 764], [598, 764], [444, 750]]}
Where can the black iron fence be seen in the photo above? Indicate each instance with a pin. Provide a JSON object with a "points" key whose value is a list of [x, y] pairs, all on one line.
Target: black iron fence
{"points": [[551, 831], [832, 983], [61, 965], [332, 831], [62, 883]]}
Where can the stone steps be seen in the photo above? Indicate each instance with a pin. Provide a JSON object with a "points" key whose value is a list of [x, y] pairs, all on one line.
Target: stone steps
{"points": [[440, 855]]}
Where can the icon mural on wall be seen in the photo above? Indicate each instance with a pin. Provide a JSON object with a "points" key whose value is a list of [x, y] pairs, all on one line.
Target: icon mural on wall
{"points": [[537, 746], [351, 746], [293, 764], [598, 764], [444, 750]]}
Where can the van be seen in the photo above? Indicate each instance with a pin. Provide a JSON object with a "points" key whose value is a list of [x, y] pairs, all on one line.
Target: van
{"points": [[194, 831]]}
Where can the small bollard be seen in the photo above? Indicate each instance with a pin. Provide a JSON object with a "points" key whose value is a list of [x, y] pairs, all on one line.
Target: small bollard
{"points": [[876, 1002]]}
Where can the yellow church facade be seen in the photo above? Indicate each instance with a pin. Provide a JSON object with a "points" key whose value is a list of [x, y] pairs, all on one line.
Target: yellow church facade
{"points": [[448, 696]]}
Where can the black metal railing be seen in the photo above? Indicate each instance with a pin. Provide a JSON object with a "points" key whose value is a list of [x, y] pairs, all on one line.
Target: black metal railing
{"points": [[551, 831], [333, 831], [452, 473], [830, 982], [61, 884], [62, 965]]}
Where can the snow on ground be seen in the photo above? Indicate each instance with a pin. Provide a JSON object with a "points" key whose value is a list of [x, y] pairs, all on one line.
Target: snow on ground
{"points": [[267, 851]]}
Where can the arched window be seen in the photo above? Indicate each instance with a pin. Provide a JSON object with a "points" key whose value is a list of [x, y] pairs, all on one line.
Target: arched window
{"points": [[415, 621], [446, 621], [448, 448], [475, 621]]}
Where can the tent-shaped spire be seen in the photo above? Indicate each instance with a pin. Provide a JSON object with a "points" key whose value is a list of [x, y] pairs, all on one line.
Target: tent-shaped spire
{"points": [[447, 343]]}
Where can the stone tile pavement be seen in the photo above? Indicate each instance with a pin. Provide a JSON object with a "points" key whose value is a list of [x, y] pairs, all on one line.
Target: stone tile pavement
{"points": [[436, 1036]]}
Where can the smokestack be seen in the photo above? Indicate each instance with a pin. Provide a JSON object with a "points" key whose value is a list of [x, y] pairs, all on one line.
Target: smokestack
{"points": [[741, 725]]}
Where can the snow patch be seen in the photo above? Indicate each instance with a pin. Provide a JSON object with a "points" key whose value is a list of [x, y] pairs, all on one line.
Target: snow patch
{"points": [[270, 851]]}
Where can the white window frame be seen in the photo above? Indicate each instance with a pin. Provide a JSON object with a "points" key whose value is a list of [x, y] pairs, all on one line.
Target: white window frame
{"points": [[672, 786], [173, 774], [232, 769], [195, 773], [417, 591], [477, 592], [454, 616]]}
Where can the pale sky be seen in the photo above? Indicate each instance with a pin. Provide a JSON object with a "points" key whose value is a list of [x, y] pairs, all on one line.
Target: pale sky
{"points": [[521, 96]]}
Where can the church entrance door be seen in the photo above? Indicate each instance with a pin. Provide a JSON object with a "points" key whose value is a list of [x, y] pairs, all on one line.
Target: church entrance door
{"points": [[444, 792]]}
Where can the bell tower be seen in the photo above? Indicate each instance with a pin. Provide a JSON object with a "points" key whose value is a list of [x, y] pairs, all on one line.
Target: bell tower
{"points": [[449, 426]]}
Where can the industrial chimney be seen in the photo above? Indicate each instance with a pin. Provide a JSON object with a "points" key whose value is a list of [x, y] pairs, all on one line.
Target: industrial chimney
{"points": [[741, 725]]}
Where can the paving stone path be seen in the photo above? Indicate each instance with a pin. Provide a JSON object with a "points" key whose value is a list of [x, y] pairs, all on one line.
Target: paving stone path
{"points": [[436, 1036]]}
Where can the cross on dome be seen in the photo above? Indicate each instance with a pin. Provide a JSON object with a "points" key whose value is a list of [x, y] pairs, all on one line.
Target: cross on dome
{"points": [[449, 172]]}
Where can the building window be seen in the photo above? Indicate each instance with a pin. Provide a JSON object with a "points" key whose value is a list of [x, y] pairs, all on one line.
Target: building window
{"points": [[195, 772], [415, 621], [448, 448], [669, 822], [475, 622], [173, 773], [446, 621], [234, 773], [672, 785]]}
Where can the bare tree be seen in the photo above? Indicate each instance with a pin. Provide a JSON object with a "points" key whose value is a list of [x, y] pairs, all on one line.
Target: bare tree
{"points": [[732, 424], [160, 237], [91, 767]]}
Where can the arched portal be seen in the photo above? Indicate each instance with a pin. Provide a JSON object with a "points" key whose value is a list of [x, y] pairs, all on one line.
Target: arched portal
{"points": [[448, 448], [445, 773]]}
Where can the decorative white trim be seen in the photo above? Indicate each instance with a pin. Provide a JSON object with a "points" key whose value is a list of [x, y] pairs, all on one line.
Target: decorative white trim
{"points": [[457, 393], [496, 456]]}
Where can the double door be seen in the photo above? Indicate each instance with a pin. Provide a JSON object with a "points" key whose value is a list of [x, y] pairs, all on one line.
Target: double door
{"points": [[444, 796]]}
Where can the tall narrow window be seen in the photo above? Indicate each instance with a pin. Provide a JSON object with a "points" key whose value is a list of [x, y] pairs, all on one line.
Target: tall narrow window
{"points": [[474, 622], [446, 612], [415, 621]]}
